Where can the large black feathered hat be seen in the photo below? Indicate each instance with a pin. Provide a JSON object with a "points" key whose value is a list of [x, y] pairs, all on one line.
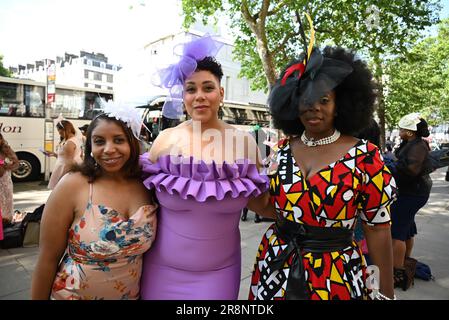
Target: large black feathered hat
{"points": [[306, 80]]}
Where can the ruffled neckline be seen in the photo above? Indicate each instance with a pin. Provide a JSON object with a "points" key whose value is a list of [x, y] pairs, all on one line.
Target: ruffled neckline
{"points": [[188, 177]]}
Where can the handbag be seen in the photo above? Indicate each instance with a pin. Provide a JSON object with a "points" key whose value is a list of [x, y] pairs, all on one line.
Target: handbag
{"points": [[31, 237], [439, 158], [12, 235], [32, 225], [423, 272]]}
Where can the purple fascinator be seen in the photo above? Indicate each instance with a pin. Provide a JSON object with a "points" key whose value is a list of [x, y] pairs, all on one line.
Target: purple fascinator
{"points": [[174, 75]]}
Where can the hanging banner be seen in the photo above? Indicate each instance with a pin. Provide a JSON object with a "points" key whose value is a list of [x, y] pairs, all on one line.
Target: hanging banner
{"points": [[51, 83]]}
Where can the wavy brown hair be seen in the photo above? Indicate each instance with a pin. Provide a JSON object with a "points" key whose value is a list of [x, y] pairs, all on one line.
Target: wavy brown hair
{"points": [[67, 127]]}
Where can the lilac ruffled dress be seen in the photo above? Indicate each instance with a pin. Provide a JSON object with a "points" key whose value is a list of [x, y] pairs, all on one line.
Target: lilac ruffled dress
{"points": [[196, 254]]}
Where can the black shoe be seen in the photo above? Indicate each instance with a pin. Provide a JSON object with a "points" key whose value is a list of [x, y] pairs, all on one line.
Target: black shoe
{"points": [[244, 214], [257, 219]]}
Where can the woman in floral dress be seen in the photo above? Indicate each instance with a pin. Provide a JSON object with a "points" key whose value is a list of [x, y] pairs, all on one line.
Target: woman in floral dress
{"points": [[99, 220]]}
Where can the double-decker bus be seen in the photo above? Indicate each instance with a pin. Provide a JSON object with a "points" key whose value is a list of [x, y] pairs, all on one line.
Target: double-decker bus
{"points": [[22, 118]]}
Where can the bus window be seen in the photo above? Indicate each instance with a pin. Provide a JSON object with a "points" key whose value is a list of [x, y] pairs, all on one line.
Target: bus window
{"points": [[68, 103], [23, 123], [34, 98], [20, 100], [73, 104]]}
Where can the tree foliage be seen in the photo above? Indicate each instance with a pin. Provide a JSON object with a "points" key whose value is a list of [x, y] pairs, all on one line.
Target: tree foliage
{"points": [[3, 71], [267, 33], [419, 81]]}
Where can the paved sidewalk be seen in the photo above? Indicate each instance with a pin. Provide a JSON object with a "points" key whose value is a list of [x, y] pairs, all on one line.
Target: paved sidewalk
{"points": [[431, 246]]}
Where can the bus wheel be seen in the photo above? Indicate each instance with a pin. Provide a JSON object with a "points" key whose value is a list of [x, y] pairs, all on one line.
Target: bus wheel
{"points": [[29, 168]]}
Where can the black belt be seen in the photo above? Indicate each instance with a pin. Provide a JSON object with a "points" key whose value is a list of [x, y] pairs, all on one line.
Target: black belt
{"points": [[300, 237]]}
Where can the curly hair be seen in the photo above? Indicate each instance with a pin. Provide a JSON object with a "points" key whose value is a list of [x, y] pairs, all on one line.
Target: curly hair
{"points": [[422, 128], [89, 168], [212, 65], [355, 97]]}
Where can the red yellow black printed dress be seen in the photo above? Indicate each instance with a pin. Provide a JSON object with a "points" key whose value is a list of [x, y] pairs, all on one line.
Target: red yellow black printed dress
{"points": [[357, 184]]}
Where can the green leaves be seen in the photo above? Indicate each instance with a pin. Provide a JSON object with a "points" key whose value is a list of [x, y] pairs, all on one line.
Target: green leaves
{"points": [[418, 81], [269, 31], [3, 71]]}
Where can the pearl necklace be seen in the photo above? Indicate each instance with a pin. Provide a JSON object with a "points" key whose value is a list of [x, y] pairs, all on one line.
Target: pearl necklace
{"points": [[326, 140]]}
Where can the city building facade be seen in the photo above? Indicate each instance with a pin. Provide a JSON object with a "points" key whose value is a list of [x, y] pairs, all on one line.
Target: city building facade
{"points": [[86, 70]]}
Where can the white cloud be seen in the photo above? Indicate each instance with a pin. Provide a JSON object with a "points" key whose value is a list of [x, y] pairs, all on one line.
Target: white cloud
{"points": [[32, 30]]}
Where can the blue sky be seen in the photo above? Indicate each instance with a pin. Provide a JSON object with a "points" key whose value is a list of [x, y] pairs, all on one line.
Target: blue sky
{"points": [[35, 29], [445, 11]]}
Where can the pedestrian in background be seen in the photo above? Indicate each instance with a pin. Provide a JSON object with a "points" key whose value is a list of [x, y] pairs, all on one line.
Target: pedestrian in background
{"points": [[411, 171], [260, 137], [322, 178], [371, 133], [102, 230], [201, 191], [83, 130], [8, 162], [144, 140], [68, 152]]}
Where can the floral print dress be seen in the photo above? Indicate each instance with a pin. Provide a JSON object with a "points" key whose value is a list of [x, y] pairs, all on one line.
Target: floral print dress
{"points": [[103, 259], [6, 193], [359, 184]]}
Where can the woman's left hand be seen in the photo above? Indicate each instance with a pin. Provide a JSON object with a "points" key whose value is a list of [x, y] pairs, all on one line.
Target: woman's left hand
{"points": [[262, 206]]}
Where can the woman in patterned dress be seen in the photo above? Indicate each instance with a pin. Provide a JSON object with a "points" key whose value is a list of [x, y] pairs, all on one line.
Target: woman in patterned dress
{"points": [[8, 163], [322, 178], [99, 221]]}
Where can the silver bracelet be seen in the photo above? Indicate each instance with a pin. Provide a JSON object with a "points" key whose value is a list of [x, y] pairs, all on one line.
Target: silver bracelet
{"points": [[380, 296]]}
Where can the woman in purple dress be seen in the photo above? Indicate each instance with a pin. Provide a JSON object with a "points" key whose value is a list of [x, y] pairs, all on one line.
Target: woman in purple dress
{"points": [[204, 171]]}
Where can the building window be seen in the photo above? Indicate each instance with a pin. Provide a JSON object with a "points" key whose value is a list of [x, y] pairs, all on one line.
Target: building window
{"points": [[86, 85], [86, 74], [97, 86], [110, 88], [97, 76], [109, 78]]}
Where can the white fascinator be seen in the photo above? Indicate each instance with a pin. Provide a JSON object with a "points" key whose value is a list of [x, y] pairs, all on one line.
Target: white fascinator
{"points": [[126, 113]]}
